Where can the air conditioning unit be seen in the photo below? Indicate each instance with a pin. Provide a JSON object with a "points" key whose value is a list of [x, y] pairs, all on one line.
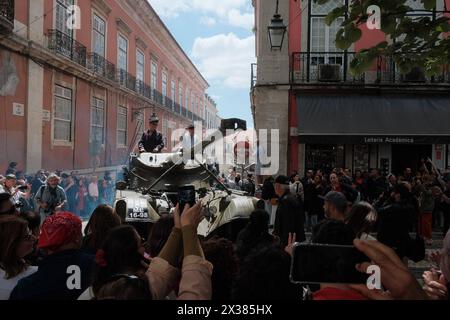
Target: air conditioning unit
{"points": [[416, 75], [329, 72]]}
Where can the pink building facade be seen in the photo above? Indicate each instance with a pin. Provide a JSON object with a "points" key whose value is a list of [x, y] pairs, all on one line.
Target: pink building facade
{"points": [[79, 98], [329, 118]]}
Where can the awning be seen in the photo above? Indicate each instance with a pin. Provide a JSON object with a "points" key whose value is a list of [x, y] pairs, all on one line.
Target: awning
{"points": [[367, 119]]}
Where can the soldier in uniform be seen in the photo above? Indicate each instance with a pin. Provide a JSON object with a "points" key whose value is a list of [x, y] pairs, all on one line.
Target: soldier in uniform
{"points": [[152, 140]]}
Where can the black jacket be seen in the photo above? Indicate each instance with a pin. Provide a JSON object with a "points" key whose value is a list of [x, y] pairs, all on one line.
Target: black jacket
{"points": [[376, 187], [151, 141], [394, 223], [315, 204], [347, 190], [50, 281], [268, 191], [290, 218]]}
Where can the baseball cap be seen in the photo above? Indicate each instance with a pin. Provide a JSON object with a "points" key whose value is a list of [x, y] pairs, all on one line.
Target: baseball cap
{"points": [[191, 126], [11, 177], [336, 198]]}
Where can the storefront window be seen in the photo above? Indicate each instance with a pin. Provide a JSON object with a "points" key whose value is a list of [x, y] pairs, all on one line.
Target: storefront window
{"points": [[361, 157], [325, 157]]}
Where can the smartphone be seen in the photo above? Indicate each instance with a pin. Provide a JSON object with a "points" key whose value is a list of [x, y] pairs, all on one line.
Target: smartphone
{"points": [[186, 195], [322, 263]]}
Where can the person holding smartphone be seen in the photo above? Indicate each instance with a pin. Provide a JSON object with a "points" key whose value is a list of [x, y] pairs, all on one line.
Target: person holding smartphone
{"points": [[334, 267]]}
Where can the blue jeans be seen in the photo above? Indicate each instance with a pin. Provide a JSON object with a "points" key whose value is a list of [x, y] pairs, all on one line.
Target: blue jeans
{"points": [[311, 220]]}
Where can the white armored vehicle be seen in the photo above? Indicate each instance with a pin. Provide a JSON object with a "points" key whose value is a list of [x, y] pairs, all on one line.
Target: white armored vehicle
{"points": [[150, 189]]}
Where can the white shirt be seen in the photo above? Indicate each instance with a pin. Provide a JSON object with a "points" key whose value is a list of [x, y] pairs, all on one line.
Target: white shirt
{"points": [[93, 189], [8, 285], [187, 141], [300, 191]]}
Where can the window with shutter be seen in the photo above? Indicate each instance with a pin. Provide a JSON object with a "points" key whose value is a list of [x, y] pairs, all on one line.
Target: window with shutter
{"points": [[63, 114]]}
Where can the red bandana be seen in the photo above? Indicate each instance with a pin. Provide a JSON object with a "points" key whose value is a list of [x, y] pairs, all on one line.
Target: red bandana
{"points": [[58, 230]]}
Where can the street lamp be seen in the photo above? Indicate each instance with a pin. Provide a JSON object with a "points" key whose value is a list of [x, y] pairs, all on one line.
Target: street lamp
{"points": [[277, 30]]}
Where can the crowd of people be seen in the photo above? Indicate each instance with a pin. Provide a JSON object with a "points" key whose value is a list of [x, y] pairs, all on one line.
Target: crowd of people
{"points": [[49, 256], [427, 194], [46, 192]]}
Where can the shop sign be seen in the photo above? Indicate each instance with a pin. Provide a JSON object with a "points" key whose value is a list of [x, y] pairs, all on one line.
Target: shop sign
{"points": [[400, 140]]}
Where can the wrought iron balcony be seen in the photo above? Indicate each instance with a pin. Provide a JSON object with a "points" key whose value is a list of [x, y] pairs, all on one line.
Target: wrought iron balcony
{"points": [[99, 65], [388, 72], [6, 16], [126, 80], [183, 112], [147, 91], [168, 103], [177, 108], [140, 87], [157, 97], [66, 46], [309, 67], [334, 67]]}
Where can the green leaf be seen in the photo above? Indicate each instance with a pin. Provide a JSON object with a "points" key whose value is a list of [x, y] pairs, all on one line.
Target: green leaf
{"points": [[353, 33], [333, 15], [341, 41], [388, 24], [405, 66], [429, 4], [361, 63]]}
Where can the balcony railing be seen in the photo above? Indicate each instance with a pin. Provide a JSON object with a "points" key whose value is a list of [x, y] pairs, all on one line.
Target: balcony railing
{"points": [[65, 45], [322, 67], [102, 67], [6, 16], [157, 97], [388, 72], [126, 79], [140, 87], [177, 108], [334, 67], [168, 103]]}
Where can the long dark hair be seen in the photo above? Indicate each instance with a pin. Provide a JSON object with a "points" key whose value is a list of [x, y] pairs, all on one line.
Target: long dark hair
{"points": [[255, 234], [362, 218], [103, 219], [259, 222], [118, 255], [12, 231], [220, 252], [159, 235]]}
